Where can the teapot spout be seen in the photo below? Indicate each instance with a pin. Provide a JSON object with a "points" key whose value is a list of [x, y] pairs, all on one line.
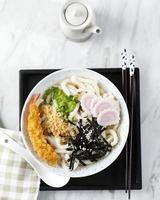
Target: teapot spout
{"points": [[94, 29]]}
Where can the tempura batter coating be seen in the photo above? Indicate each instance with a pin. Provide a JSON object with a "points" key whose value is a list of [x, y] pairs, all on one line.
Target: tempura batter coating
{"points": [[38, 140]]}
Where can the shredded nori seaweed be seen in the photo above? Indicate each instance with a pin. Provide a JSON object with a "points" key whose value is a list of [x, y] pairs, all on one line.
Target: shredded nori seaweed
{"points": [[88, 144]]}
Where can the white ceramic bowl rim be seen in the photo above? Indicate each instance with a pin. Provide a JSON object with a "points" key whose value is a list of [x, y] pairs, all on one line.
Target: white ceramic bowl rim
{"points": [[50, 80]]}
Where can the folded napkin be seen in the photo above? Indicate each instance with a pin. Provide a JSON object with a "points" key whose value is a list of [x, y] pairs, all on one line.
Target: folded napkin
{"points": [[18, 180]]}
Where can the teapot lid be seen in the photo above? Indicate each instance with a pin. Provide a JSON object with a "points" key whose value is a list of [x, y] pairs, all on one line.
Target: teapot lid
{"points": [[76, 13]]}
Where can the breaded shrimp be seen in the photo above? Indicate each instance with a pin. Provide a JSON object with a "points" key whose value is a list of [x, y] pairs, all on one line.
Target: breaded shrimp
{"points": [[38, 139]]}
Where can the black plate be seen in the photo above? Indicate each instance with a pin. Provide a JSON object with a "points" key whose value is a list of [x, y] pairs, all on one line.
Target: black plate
{"points": [[113, 177]]}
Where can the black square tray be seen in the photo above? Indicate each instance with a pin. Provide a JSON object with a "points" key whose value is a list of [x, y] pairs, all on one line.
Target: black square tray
{"points": [[112, 178]]}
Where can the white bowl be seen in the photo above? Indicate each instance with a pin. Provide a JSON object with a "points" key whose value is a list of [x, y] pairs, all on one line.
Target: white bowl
{"points": [[103, 163]]}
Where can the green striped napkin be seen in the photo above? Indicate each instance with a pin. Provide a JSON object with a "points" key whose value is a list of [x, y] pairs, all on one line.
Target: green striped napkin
{"points": [[18, 181]]}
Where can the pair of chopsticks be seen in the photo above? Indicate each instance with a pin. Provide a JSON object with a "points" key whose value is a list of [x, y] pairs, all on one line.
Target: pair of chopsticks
{"points": [[128, 93]]}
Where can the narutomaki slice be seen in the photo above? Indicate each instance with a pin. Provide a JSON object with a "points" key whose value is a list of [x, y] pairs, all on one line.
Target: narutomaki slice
{"points": [[108, 117], [86, 101], [102, 105], [93, 103]]}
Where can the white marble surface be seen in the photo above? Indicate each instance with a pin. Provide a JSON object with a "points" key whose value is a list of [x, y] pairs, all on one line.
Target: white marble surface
{"points": [[30, 37]]}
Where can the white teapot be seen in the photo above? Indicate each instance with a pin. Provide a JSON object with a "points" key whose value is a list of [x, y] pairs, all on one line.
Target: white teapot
{"points": [[78, 21]]}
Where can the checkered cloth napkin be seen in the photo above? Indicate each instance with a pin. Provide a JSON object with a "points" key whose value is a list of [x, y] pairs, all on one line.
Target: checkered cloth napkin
{"points": [[18, 181]]}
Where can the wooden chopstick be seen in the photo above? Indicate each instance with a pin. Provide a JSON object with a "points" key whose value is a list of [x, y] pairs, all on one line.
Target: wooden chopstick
{"points": [[131, 103], [124, 92]]}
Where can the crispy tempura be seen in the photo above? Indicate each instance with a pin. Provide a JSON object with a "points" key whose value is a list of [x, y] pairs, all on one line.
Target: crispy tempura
{"points": [[54, 123], [38, 139]]}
